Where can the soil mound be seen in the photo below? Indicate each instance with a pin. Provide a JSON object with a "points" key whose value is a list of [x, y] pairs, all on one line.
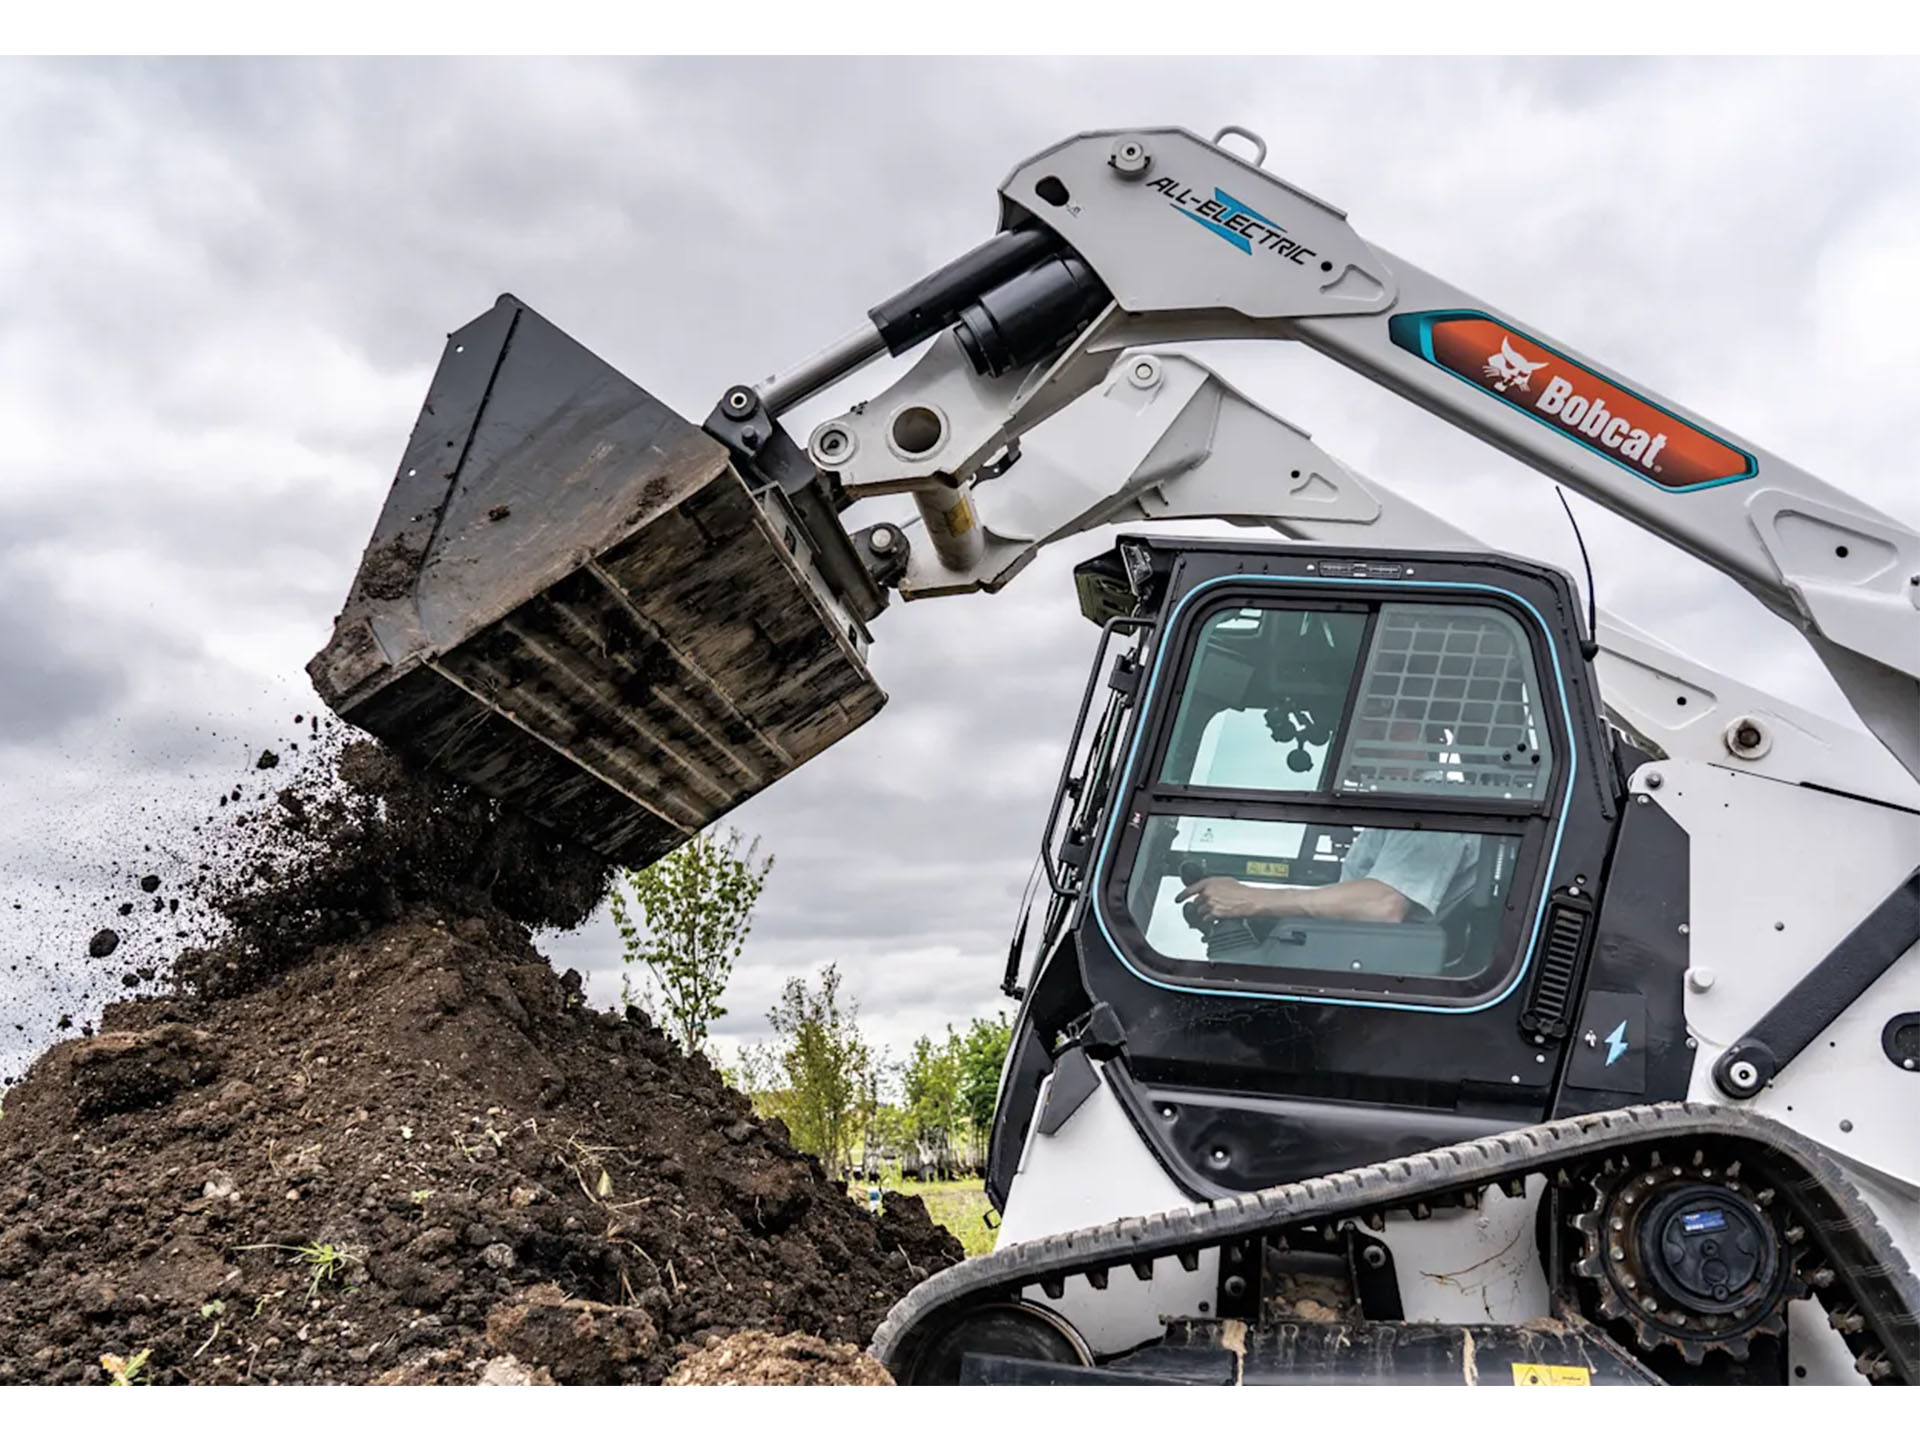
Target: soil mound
{"points": [[371, 1136], [753, 1357]]}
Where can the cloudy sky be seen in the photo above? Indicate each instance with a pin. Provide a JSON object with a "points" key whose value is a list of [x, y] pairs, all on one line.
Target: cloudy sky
{"points": [[223, 288]]}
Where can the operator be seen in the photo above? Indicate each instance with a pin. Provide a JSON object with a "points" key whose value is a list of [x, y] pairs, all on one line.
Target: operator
{"points": [[1387, 876]]}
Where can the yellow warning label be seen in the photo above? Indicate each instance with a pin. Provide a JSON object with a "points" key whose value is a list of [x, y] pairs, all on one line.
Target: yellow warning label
{"points": [[1551, 1374], [960, 519], [1278, 868]]}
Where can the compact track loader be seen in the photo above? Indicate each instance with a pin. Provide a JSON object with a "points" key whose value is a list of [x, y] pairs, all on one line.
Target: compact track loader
{"points": [[1426, 978]]}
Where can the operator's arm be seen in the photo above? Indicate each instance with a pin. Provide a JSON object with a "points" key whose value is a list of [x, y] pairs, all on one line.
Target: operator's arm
{"points": [[1367, 899], [1393, 875]]}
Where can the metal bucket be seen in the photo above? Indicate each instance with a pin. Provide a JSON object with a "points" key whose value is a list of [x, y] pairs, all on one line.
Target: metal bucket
{"points": [[574, 603]]}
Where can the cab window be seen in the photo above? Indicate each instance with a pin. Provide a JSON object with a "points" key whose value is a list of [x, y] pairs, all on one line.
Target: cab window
{"points": [[1446, 703], [1343, 800], [1456, 883], [1264, 698]]}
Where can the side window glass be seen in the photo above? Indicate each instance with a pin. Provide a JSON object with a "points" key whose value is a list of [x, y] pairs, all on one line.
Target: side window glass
{"points": [[1264, 699], [1448, 704]]}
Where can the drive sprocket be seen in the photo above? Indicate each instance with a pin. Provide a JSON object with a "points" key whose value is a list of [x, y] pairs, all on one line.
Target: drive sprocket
{"points": [[1685, 1253]]}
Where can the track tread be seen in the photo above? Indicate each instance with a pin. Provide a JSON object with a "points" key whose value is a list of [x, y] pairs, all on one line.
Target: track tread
{"points": [[1468, 1165]]}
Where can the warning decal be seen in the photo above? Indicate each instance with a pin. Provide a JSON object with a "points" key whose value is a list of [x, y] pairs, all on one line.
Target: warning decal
{"points": [[1551, 1374]]}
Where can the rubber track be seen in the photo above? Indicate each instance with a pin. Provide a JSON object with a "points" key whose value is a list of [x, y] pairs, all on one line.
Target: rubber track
{"points": [[1848, 1235]]}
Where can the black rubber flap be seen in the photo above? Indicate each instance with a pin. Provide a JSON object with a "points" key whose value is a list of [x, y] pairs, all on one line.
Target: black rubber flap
{"points": [[572, 602]]}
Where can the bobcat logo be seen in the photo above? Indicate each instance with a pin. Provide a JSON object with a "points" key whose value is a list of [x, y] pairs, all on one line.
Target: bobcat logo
{"points": [[1510, 367]]}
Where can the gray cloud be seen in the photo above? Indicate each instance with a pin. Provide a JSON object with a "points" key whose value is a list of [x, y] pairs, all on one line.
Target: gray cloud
{"points": [[53, 673], [223, 287]]}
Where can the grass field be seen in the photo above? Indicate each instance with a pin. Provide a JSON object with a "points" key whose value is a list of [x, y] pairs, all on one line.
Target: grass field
{"points": [[960, 1205]]}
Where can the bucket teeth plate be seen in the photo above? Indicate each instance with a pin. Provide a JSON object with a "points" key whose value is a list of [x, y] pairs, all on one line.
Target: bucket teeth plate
{"points": [[573, 603]]}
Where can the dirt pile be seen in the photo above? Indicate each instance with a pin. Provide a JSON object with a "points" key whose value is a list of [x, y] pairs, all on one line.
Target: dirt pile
{"points": [[371, 1136], [753, 1357]]}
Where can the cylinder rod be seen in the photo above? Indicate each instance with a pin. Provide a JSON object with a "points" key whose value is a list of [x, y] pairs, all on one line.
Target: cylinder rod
{"points": [[953, 525], [787, 389]]}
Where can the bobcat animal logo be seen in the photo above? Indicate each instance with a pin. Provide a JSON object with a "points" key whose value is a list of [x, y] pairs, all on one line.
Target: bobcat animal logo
{"points": [[1510, 367]]}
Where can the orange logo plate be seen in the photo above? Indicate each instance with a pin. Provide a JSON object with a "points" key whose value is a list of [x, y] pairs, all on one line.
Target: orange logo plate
{"points": [[1593, 412]]}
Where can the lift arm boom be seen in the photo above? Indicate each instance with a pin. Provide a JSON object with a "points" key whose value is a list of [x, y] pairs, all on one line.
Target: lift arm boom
{"points": [[1185, 241]]}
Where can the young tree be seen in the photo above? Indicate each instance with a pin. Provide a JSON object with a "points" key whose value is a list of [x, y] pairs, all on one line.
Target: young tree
{"points": [[824, 1063], [756, 1073], [873, 1121], [685, 919], [950, 1087], [933, 1089], [983, 1050], [890, 1131]]}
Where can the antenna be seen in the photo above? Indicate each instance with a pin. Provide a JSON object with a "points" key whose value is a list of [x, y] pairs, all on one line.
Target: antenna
{"points": [[1589, 647]]}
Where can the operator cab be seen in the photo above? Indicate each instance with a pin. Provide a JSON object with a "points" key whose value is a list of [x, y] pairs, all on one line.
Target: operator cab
{"points": [[1281, 723]]}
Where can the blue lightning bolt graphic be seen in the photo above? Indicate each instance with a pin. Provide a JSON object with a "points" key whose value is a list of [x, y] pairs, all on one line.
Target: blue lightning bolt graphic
{"points": [[1616, 1043], [1229, 209]]}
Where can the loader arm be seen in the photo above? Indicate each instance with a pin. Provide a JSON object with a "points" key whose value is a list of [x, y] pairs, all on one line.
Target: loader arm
{"points": [[1163, 437], [1188, 242]]}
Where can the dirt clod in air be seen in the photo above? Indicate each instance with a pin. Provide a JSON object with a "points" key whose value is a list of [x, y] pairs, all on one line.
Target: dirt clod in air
{"points": [[365, 1134], [267, 761], [103, 943]]}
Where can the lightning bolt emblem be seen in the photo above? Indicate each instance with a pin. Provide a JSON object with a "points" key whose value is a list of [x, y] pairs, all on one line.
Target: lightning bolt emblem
{"points": [[1616, 1042]]}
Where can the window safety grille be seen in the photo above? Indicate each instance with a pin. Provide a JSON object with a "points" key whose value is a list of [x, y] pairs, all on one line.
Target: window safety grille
{"points": [[1448, 702]]}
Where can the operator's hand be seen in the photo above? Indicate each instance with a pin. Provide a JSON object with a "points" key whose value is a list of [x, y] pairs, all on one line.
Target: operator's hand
{"points": [[1222, 899]]}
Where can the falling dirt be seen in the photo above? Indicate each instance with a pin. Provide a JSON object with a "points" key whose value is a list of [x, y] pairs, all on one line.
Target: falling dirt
{"points": [[367, 1135]]}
